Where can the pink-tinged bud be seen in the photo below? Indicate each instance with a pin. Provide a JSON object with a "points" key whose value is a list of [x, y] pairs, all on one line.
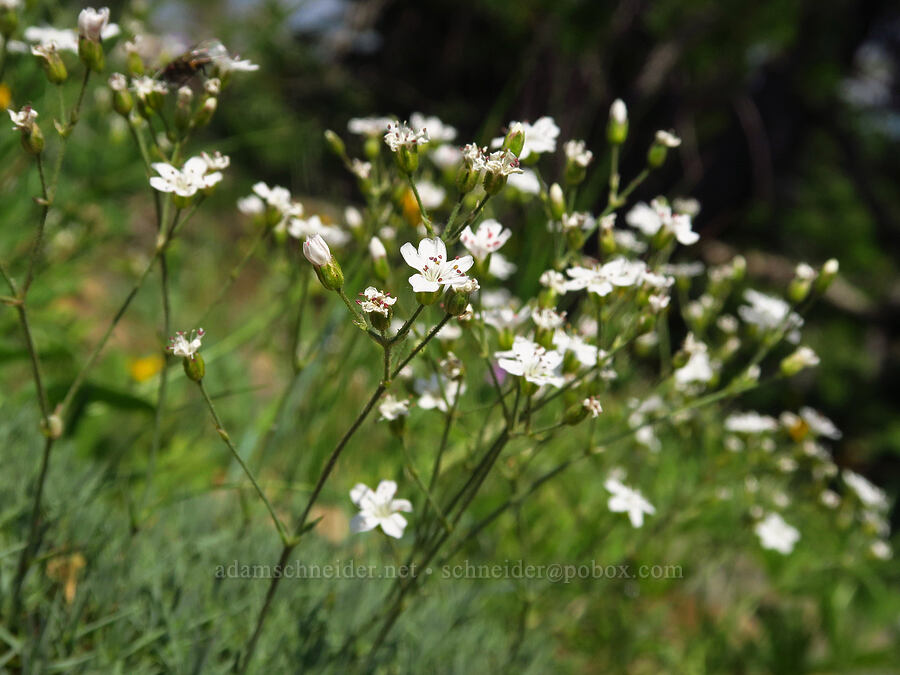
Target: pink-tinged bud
{"points": [[316, 250]]}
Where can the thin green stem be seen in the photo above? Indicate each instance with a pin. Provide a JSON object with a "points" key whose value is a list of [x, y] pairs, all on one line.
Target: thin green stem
{"points": [[220, 428], [235, 273], [428, 492], [300, 528], [162, 246], [425, 219], [421, 345], [29, 550], [42, 223], [404, 329]]}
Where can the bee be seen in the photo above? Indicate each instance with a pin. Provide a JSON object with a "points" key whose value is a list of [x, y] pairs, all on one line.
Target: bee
{"points": [[194, 61]]}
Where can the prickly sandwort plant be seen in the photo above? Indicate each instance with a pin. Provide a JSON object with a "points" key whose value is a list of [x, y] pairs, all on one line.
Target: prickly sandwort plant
{"points": [[547, 364]]}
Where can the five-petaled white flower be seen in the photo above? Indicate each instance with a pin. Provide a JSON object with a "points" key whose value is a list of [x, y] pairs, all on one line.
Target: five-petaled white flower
{"points": [[392, 408], [437, 131], [376, 301], [489, 237], [435, 271], [586, 353], [502, 163], [869, 494], [592, 405], [193, 176], [438, 392], [401, 135], [577, 153], [650, 219], [186, 344], [145, 86], [775, 534], [668, 139], [379, 508], [750, 423], [225, 62], [24, 119], [369, 126], [626, 500], [529, 360], [768, 312]]}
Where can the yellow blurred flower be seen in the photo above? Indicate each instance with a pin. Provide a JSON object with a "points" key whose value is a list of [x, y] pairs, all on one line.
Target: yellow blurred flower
{"points": [[64, 570], [144, 368], [5, 96], [410, 208]]}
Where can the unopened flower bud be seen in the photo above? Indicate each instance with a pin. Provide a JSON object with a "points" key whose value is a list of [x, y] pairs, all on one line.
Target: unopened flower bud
{"points": [[659, 149], [738, 268], [335, 144], [515, 139], [467, 179], [826, 275], [91, 54], [51, 62], [25, 122], [206, 112], [122, 99], [9, 19], [802, 358], [194, 367], [801, 284], [329, 272], [617, 128], [52, 427], [457, 300], [557, 201], [133, 62], [379, 259], [428, 297]]}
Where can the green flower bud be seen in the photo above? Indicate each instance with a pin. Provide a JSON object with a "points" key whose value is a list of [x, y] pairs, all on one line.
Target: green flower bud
{"points": [[457, 300], [802, 358], [407, 157], [134, 64], [494, 182], [515, 139], [617, 128], [9, 21], [428, 298], [52, 427], [506, 338], [656, 155], [575, 413], [52, 63], [206, 112], [826, 275], [372, 147], [467, 179], [336, 144], [557, 201], [194, 367], [91, 54]]}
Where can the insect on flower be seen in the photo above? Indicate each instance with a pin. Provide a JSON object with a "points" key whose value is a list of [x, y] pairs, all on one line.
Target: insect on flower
{"points": [[183, 68]]}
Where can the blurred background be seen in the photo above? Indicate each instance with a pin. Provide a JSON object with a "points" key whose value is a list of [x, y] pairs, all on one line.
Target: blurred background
{"points": [[789, 111]]}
